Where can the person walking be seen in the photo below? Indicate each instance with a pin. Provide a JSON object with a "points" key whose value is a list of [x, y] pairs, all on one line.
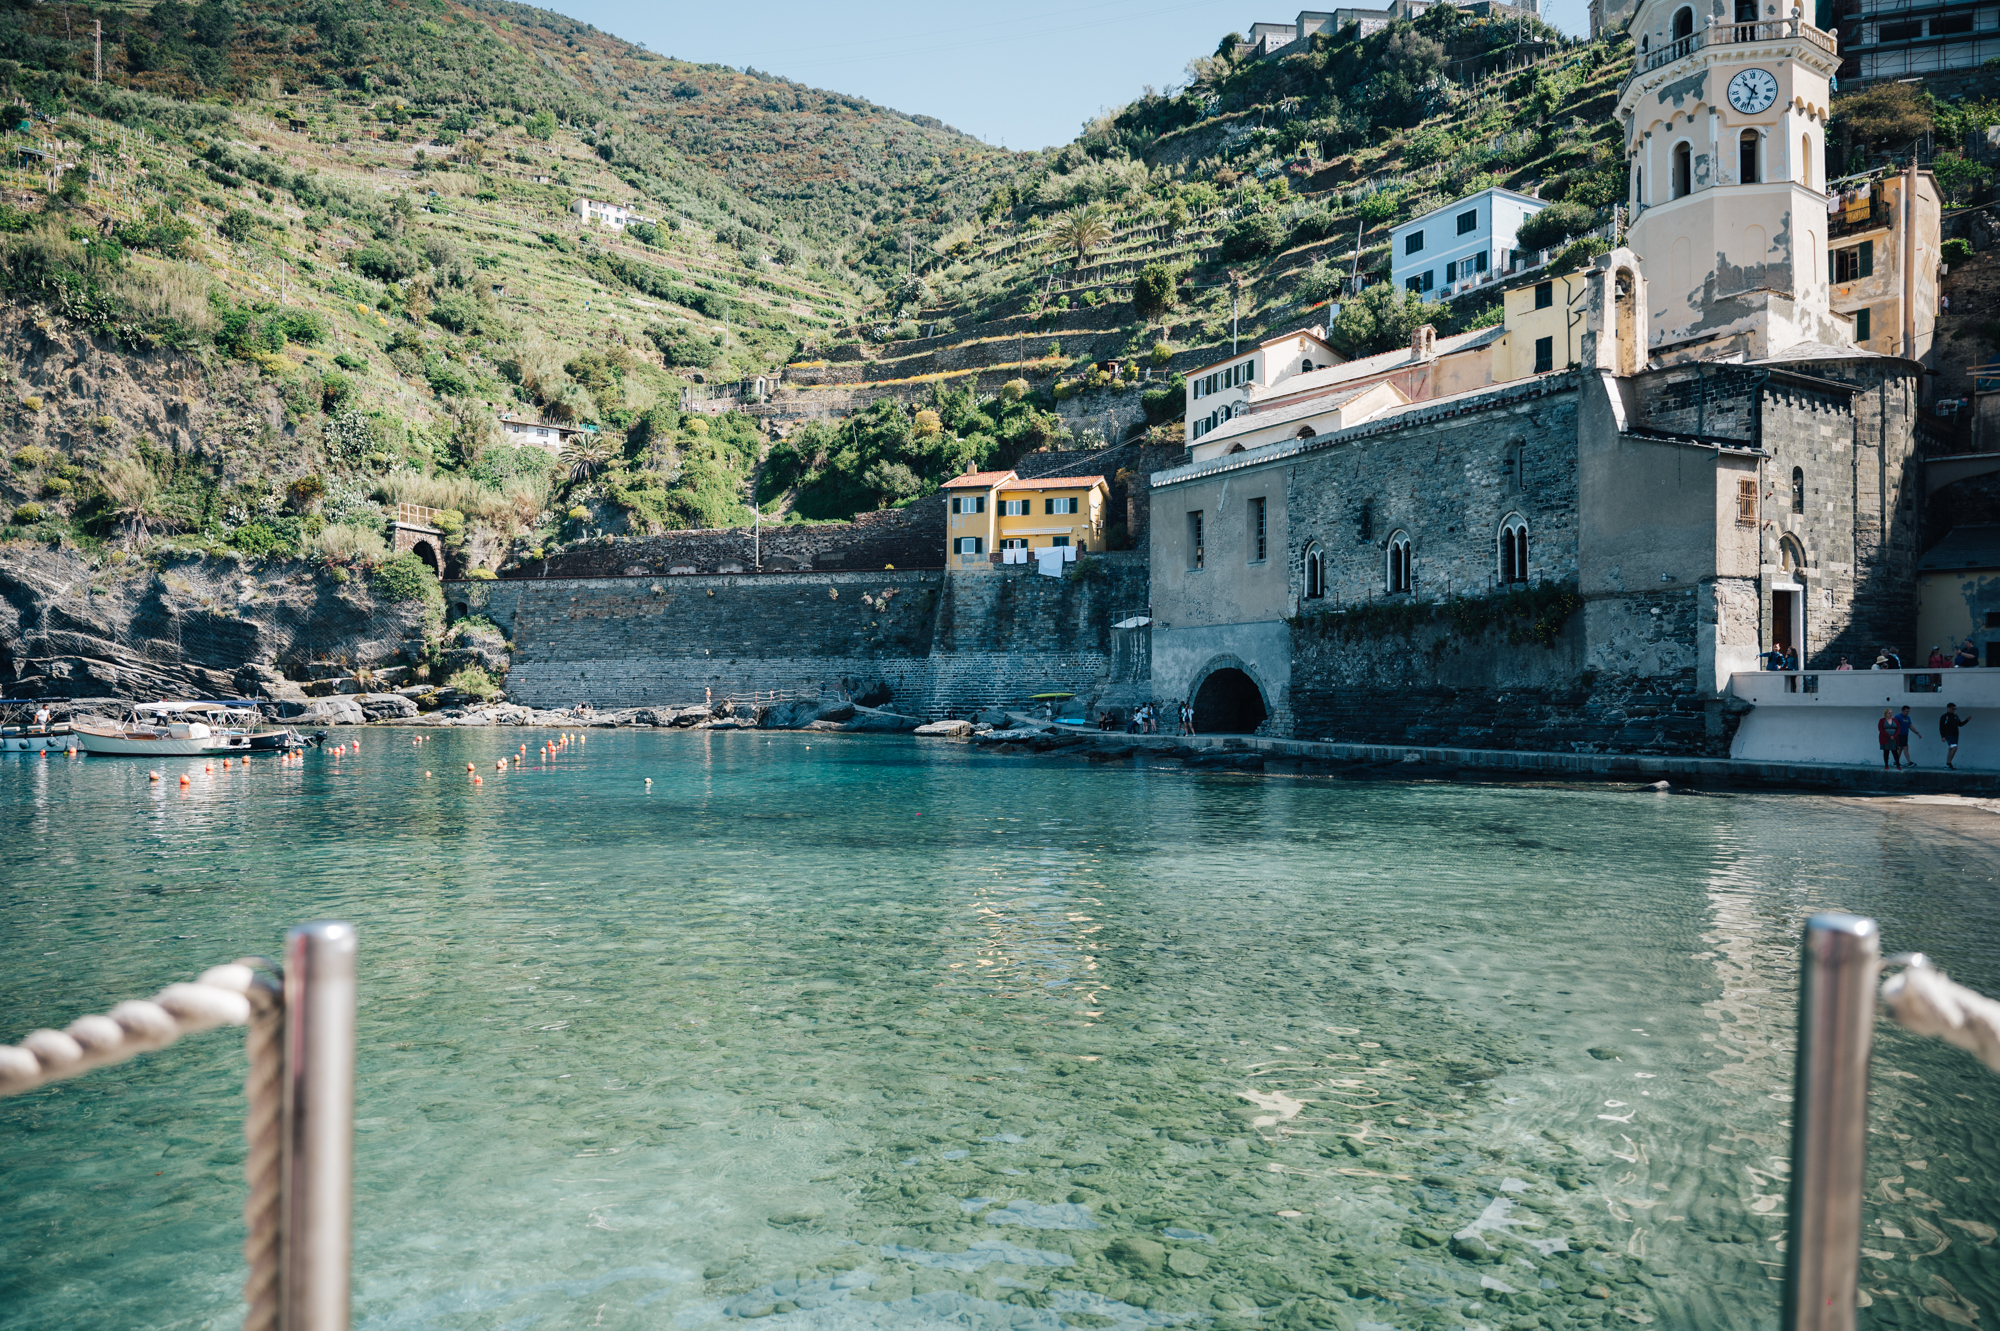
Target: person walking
{"points": [[1885, 735], [1948, 727], [1906, 726]]}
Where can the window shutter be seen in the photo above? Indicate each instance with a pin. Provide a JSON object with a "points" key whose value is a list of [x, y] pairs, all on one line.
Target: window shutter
{"points": [[1746, 502], [1867, 258]]}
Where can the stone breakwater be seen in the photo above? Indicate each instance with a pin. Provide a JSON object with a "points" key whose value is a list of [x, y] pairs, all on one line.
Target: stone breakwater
{"points": [[924, 642]]}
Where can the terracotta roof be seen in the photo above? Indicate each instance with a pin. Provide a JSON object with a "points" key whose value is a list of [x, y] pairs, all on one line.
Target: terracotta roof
{"points": [[1052, 482], [976, 480]]}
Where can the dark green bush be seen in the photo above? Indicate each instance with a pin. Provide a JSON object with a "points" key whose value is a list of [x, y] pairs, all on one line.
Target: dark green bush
{"points": [[385, 262], [407, 578], [1553, 225], [1253, 237]]}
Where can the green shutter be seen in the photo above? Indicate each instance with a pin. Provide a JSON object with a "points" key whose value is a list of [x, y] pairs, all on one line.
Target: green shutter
{"points": [[1868, 258]]}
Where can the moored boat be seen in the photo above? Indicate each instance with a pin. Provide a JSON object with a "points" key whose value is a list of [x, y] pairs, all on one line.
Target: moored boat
{"points": [[36, 731], [162, 729]]}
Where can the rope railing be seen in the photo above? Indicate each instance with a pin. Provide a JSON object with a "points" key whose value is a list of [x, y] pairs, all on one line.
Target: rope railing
{"points": [[297, 1123]]}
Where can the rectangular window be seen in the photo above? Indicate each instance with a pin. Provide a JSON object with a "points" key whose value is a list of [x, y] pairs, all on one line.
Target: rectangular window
{"points": [[1414, 283], [1413, 243], [1257, 542], [1013, 543], [1746, 502], [1468, 222], [1059, 541], [1847, 264], [1901, 32], [1950, 24], [1451, 271], [1545, 354], [1545, 295], [970, 545], [1060, 506], [1014, 508], [968, 504], [1862, 330], [1195, 551]]}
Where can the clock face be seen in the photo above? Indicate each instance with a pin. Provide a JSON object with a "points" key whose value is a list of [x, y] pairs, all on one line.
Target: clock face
{"points": [[1752, 91]]}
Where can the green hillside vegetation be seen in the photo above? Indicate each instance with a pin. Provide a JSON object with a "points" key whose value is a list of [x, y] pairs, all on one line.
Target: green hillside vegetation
{"points": [[363, 214]]}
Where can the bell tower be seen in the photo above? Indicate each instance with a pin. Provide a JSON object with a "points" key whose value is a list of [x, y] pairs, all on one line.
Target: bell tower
{"points": [[1724, 118]]}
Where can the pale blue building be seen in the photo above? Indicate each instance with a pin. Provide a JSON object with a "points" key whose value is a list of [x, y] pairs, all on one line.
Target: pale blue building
{"points": [[1461, 245]]}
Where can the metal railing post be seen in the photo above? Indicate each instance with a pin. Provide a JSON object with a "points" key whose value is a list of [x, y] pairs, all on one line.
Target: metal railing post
{"points": [[319, 1126], [1842, 959]]}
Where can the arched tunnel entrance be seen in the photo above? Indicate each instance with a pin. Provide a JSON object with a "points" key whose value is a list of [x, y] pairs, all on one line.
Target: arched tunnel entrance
{"points": [[427, 552], [1228, 703]]}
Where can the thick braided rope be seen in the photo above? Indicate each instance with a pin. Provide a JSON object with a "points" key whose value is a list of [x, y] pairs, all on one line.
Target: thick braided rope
{"points": [[263, 1132], [218, 998], [1923, 1000]]}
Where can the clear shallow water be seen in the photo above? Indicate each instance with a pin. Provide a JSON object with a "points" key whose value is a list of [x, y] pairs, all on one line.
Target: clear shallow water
{"points": [[867, 1034]]}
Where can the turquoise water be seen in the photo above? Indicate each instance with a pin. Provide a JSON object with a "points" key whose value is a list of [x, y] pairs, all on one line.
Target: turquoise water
{"points": [[831, 1032]]}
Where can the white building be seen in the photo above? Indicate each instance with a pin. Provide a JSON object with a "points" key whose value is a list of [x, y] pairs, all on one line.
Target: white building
{"points": [[1460, 245], [537, 434], [616, 216]]}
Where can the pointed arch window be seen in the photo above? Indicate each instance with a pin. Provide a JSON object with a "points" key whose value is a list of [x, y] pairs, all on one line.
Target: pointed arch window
{"points": [[1400, 573], [1798, 490], [1315, 572], [1513, 550]]}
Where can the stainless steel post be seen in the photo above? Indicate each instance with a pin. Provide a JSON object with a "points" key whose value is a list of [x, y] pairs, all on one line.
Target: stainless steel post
{"points": [[319, 1125], [1842, 957]]}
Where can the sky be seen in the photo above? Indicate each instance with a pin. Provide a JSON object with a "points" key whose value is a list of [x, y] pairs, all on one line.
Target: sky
{"points": [[1020, 75]]}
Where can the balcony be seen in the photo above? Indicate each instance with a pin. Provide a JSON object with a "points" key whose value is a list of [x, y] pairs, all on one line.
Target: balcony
{"points": [[1735, 34]]}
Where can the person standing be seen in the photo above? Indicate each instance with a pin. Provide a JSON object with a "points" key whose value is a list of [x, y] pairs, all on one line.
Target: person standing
{"points": [[1791, 658], [1968, 656], [1937, 661], [1885, 735], [1948, 727], [1845, 664], [1906, 726]]}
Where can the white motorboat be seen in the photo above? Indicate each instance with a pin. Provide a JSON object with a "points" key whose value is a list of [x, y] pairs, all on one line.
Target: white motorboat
{"points": [[161, 729]]}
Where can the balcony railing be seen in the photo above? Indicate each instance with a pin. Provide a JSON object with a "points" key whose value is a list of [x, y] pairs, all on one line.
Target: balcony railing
{"points": [[1735, 34]]}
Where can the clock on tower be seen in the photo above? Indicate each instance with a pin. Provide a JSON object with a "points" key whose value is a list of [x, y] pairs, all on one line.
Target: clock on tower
{"points": [[1724, 119]]}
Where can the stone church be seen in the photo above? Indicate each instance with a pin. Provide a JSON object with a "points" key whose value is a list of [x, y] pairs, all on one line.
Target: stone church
{"points": [[1723, 468]]}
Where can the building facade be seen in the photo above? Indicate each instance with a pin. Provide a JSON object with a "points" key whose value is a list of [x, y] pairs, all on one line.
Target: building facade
{"points": [[1461, 245], [1896, 39], [989, 514], [612, 215]]}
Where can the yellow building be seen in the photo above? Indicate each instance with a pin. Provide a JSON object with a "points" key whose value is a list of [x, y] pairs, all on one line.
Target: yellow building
{"points": [[988, 512], [1544, 322]]}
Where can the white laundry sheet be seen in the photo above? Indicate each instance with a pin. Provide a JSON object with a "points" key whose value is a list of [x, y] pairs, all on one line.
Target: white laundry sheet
{"points": [[1050, 559]]}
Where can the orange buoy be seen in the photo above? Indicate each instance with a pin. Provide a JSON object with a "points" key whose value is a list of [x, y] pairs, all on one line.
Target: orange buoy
{"points": [[478, 780], [208, 767], [468, 767], [427, 776], [225, 764], [184, 779], [152, 776]]}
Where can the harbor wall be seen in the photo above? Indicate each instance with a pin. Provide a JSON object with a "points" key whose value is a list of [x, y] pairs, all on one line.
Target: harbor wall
{"points": [[924, 642]]}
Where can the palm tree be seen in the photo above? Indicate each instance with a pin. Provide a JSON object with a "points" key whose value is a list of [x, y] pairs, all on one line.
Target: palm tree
{"points": [[586, 455], [1081, 229]]}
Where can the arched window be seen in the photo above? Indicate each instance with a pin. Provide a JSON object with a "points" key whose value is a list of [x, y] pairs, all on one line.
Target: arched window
{"points": [[1307, 432], [1315, 572], [1305, 366], [1683, 23], [1746, 157], [1683, 170], [1638, 183], [1805, 160], [1791, 558], [1798, 490], [1514, 549], [1746, 11], [1399, 563], [1513, 468]]}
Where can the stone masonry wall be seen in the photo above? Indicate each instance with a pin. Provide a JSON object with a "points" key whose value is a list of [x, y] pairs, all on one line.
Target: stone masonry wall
{"points": [[933, 643]]}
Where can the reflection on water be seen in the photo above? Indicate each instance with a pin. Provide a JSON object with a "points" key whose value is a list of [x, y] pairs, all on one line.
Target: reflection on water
{"points": [[868, 1034]]}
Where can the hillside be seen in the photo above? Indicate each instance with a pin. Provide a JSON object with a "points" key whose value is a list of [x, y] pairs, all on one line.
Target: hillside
{"points": [[286, 265]]}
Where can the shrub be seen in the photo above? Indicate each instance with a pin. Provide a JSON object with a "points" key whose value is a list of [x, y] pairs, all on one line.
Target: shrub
{"points": [[1379, 319], [1320, 282], [481, 574], [258, 540], [927, 424], [1578, 254], [407, 578], [385, 263], [1253, 237], [345, 541], [473, 680], [1162, 353], [57, 487], [27, 515], [1553, 225], [239, 225], [1164, 403], [1014, 390], [30, 456], [301, 326], [1957, 251]]}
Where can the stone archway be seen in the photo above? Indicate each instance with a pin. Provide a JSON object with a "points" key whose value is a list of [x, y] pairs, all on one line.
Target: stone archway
{"points": [[1229, 701], [427, 552]]}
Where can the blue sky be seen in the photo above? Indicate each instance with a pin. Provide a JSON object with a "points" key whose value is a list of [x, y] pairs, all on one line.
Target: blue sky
{"points": [[1027, 75]]}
